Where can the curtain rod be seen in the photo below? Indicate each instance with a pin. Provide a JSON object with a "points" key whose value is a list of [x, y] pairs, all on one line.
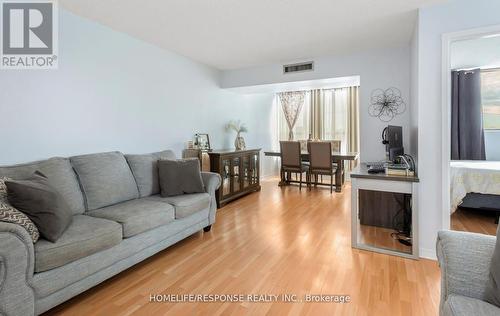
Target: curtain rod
{"points": [[309, 90], [480, 68]]}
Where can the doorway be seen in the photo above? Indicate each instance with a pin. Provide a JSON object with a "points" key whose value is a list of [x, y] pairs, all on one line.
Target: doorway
{"points": [[471, 130]]}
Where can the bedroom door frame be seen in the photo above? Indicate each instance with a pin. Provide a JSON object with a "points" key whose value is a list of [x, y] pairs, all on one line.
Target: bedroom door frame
{"points": [[446, 41]]}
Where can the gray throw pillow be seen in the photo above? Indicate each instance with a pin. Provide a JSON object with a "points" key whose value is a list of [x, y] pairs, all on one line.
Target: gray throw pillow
{"points": [[180, 177], [36, 198], [492, 293], [10, 214]]}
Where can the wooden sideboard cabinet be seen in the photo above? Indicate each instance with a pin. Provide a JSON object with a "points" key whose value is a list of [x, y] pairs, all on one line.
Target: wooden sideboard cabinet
{"points": [[239, 170]]}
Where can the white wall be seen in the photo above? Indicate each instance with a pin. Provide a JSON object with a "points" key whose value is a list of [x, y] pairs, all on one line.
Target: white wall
{"points": [[475, 53], [377, 69], [414, 75], [433, 22], [113, 92], [491, 143]]}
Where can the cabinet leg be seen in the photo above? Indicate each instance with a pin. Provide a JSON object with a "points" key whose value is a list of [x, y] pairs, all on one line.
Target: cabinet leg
{"points": [[207, 229]]}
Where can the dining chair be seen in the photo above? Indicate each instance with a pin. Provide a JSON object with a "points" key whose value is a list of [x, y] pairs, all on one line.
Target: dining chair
{"points": [[336, 147], [291, 160], [321, 162]]}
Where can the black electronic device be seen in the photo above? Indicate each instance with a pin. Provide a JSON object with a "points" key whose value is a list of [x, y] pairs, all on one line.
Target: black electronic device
{"points": [[395, 152], [392, 138], [375, 169]]}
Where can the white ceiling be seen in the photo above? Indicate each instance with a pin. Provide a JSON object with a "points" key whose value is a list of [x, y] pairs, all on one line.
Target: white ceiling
{"points": [[481, 52], [229, 34]]}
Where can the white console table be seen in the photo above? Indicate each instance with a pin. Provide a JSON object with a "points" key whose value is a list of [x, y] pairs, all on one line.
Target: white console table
{"points": [[380, 197]]}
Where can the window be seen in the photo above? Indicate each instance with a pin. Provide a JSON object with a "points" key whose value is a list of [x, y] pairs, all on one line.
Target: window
{"points": [[490, 94], [335, 116]]}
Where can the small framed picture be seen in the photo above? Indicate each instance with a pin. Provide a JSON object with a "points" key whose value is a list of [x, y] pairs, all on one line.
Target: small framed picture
{"points": [[202, 141]]}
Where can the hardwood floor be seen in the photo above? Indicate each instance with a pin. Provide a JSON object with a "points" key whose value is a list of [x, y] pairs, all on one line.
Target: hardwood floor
{"points": [[475, 221], [381, 238], [279, 240]]}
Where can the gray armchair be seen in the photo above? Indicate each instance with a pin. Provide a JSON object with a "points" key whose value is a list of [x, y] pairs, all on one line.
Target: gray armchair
{"points": [[464, 259]]}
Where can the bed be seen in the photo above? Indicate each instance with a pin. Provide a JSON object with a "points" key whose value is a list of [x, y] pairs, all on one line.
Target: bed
{"points": [[475, 184]]}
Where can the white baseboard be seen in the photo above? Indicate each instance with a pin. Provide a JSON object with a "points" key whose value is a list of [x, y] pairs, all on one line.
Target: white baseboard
{"points": [[427, 253]]}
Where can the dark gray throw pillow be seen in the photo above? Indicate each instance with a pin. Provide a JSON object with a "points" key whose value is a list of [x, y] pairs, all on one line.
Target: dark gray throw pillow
{"points": [[36, 198], [492, 293], [180, 177]]}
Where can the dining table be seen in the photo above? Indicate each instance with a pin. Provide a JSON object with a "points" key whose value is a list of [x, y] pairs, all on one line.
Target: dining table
{"points": [[338, 157]]}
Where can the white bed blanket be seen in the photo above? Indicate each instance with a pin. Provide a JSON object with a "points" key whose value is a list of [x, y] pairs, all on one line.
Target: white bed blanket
{"points": [[473, 176]]}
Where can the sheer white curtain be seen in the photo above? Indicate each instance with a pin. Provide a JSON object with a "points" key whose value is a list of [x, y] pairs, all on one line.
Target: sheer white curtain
{"points": [[335, 116], [301, 128]]}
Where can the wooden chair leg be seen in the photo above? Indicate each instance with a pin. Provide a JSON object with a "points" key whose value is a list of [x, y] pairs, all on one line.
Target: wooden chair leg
{"points": [[331, 184], [300, 183]]}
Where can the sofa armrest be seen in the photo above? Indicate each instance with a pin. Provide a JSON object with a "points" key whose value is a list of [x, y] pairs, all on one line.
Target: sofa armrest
{"points": [[464, 259], [17, 263], [212, 182]]}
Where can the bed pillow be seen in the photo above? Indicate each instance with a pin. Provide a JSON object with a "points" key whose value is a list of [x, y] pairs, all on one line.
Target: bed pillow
{"points": [[10, 214], [181, 176], [492, 292], [36, 198]]}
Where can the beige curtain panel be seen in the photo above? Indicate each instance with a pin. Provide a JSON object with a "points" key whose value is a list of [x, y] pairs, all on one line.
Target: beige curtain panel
{"points": [[353, 123], [291, 103], [316, 119]]}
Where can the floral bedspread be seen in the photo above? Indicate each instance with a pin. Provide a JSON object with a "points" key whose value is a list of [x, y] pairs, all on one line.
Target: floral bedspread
{"points": [[473, 177]]}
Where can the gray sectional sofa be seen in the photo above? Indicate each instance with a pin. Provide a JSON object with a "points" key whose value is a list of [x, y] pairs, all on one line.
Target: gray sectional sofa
{"points": [[465, 260], [119, 220]]}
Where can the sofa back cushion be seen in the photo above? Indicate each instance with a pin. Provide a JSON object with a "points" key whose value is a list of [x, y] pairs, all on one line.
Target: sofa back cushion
{"points": [[105, 179], [145, 170], [61, 175]]}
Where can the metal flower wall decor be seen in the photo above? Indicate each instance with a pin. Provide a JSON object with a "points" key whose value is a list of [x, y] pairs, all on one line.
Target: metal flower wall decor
{"points": [[386, 104]]}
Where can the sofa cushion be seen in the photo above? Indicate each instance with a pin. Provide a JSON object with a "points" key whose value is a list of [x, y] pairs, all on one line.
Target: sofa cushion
{"points": [[145, 170], [61, 175], [137, 216], [37, 198], [85, 236], [457, 305], [185, 204], [93, 269], [105, 179]]}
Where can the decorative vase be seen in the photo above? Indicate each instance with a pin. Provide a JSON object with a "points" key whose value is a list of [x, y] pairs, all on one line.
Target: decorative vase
{"points": [[239, 142]]}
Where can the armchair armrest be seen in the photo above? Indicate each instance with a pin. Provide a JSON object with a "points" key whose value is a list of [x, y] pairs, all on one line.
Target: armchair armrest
{"points": [[17, 262], [464, 259], [212, 182]]}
